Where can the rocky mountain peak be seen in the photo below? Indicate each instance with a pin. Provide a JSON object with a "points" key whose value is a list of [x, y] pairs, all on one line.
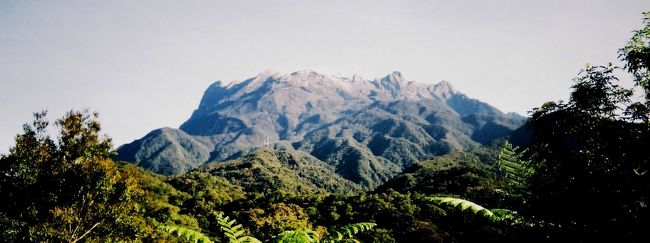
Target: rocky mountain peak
{"points": [[391, 83], [444, 89], [269, 73], [305, 73], [395, 77], [366, 130], [357, 78]]}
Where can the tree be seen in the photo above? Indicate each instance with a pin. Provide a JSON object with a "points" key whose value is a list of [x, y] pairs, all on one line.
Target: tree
{"points": [[68, 189], [589, 153], [636, 55], [277, 218]]}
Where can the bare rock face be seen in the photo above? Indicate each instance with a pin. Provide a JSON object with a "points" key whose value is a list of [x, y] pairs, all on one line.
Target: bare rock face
{"points": [[367, 130]]}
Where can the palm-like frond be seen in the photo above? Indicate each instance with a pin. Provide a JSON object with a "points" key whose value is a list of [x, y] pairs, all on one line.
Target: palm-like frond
{"points": [[186, 234], [233, 231], [516, 169], [348, 231], [506, 215], [462, 204], [494, 215], [298, 236], [235, 234]]}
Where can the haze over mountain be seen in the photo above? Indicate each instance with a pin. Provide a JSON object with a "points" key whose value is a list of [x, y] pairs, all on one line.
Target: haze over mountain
{"points": [[366, 130]]}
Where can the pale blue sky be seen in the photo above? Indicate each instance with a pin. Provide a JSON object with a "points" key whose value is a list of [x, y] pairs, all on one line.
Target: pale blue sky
{"points": [[145, 64]]}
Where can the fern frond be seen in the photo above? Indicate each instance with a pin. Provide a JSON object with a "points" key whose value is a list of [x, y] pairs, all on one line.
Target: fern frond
{"points": [[348, 231], [501, 214], [462, 204], [302, 236], [512, 164], [186, 234], [248, 239], [233, 231], [494, 215]]}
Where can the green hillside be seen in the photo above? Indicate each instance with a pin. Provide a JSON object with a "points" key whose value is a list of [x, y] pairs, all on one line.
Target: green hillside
{"points": [[455, 173], [291, 173]]}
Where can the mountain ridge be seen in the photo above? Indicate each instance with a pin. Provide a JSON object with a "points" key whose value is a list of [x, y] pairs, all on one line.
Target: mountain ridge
{"points": [[368, 130]]}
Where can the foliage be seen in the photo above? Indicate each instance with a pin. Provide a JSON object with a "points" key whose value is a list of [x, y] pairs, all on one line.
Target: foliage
{"points": [[233, 231], [516, 169], [290, 173], [348, 232], [596, 94], [495, 215], [205, 194], [185, 234], [278, 217], [68, 189], [584, 157], [636, 55], [161, 202], [455, 173], [587, 155], [462, 205], [408, 217], [214, 190], [290, 236]]}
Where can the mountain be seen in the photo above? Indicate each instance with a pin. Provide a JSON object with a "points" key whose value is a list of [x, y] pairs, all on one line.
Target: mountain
{"points": [[366, 130], [167, 151]]}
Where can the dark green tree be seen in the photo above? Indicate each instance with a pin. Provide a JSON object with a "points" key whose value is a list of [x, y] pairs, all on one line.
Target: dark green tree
{"points": [[636, 55], [589, 155], [68, 189]]}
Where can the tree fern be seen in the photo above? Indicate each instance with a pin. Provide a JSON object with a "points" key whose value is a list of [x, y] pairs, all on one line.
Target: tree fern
{"points": [[302, 236], [348, 231], [515, 168], [233, 231], [506, 215], [463, 205], [185, 234], [495, 215]]}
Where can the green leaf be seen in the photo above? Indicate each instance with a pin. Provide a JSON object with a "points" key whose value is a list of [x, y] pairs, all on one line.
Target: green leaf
{"points": [[233, 233], [516, 169], [348, 231], [462, 204], [186, 234], [298, 236]]}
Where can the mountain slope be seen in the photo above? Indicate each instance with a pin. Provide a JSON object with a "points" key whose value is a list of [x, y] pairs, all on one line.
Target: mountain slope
{"points": [[269, 171], [453, 173], [167, 151], [367, 130]]}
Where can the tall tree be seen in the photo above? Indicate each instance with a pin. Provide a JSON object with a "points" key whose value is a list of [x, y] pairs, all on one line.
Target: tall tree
{"points": [[68, 189], [590, 154], [636, 55]]}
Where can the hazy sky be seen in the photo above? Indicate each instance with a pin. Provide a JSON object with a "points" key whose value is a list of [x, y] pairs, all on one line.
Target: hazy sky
{"points": [[145, 64]]}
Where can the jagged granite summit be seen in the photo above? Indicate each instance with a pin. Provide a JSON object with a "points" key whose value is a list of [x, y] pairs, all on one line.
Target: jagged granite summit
{"points": [[366, 130]]}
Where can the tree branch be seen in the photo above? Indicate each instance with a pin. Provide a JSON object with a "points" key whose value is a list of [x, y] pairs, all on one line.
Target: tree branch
{"points": [[87, 232]]}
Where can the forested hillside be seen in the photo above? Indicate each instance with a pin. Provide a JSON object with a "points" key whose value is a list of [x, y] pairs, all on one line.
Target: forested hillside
{"points": [[580, 176]]}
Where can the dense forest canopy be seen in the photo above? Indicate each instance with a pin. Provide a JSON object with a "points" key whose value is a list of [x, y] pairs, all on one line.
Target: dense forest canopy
{"points": [[581, 176]]}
